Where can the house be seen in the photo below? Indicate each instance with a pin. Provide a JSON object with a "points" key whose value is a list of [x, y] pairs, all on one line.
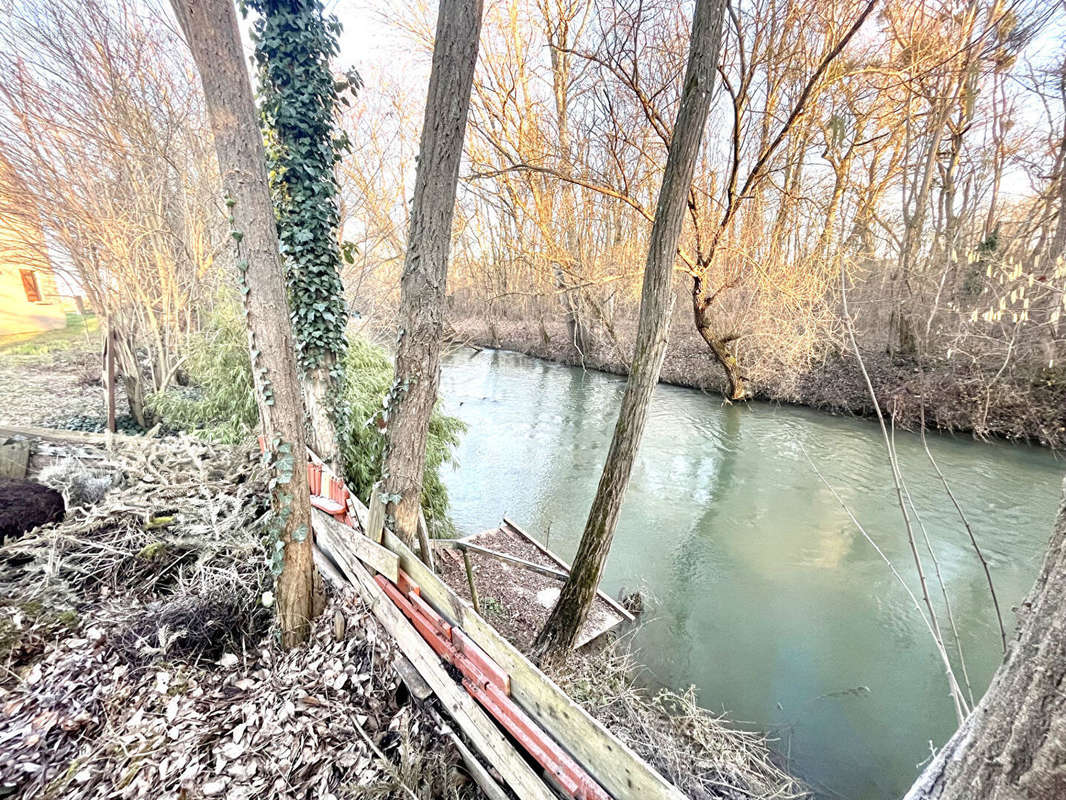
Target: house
{"points": [[29, 298]]}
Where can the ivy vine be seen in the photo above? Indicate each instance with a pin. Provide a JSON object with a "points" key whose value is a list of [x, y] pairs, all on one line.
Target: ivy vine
{"points": [[299, 99]]}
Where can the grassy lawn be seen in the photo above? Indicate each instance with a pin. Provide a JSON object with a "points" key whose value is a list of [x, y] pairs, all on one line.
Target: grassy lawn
{"points": [[81, 332]]}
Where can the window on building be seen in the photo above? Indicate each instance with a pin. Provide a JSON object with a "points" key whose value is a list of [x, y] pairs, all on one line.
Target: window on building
{"points": [[29, 283]]}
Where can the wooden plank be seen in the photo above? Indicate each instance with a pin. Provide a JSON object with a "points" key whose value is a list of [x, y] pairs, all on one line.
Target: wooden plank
{"points": [[327, 567], [411, 677], [459, 544], [477, 770], [344, 545], [375, 522], [617, 768], [468, 715], [621, 609], [66, 437], [14, 459], [423, 540]]}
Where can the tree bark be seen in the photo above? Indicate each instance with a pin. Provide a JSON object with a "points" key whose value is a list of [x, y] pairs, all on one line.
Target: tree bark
{"points": [[422, 290], [560, 631], [319, 390], [1013, 744], [210, 26]]}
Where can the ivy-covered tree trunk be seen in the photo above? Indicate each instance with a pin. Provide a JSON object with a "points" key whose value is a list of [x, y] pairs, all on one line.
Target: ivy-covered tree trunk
{"points": [[414, 392], [298, 99], [210, 26], [1013, 744], [656, 303]]}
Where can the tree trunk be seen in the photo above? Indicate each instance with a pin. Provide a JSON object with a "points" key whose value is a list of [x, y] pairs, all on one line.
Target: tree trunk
{"points": [[1013, 744], [319, 397], [210, 26], [738, 385], [425, 271], [656, 304]]}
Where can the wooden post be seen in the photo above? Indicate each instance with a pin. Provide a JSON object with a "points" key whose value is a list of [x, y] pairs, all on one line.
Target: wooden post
{"points": [[423, 540], [109, 350], [375, 522], [470, 578], [14, 458]]}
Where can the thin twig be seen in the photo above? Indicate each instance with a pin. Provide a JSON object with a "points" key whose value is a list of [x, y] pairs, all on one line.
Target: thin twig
{"points": [[961, 709], [969, 531]]}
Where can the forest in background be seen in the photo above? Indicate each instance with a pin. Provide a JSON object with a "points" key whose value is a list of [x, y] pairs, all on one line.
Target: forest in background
{"points": [[912, 153], [921, 160], [875, 184]]}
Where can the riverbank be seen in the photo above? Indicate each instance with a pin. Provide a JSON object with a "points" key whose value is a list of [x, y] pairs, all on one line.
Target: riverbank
{"points": [[953, 397], [148, 604]]}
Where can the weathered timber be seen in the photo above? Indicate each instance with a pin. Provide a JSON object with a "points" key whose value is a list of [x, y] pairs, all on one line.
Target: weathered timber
{"points": [[423, 540], [343, 545], [14, 459], [607, 759], [465, 546], [477, 770], [468, 715], [65, 437], [375, 520], [614, 604], [411, 677]]}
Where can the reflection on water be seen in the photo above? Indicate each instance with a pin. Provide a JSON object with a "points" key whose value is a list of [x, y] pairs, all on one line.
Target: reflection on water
{"points": [[766, 597]]}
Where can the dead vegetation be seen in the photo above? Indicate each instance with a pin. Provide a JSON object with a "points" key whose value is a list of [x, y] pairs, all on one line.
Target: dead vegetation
{"points": [[700, 753], [137, 657]]}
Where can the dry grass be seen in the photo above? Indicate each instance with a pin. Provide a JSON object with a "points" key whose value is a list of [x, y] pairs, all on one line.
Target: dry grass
{"points": [[697, 751]]}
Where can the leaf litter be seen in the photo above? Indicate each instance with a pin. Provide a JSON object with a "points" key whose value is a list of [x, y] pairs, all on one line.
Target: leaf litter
{"points": [[137, 658]]}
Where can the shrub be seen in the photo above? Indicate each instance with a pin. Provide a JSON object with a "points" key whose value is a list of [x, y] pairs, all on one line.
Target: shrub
{"points": [[219, 405]]}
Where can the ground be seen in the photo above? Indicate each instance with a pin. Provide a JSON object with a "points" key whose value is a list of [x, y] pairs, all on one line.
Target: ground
{"points": [[54, 378], [138, 656], [139, 659]]}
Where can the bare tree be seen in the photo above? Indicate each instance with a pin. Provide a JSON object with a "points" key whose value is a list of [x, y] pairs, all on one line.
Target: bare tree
{"points": [[578, 593], [107, 139], [414, 390], [210, 26]]}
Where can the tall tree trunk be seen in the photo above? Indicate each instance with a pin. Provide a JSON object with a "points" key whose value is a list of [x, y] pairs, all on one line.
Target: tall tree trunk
{"points": [[210, 26], [656, 305], [299, 98], [320, 399], [1013, 744], [425, 268], [557, 31]]}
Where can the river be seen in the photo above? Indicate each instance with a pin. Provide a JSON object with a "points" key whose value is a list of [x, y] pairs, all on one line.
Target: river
{"points": [[763, 594]]}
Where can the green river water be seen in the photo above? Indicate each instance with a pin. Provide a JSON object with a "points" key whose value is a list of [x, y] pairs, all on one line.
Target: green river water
{"points": [[764, 596]]}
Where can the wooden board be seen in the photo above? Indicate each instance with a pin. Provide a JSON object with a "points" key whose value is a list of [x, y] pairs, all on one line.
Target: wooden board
{"points": [[14, 459], [617, 768], [488, 739], [345, 545], [466, 544], [73, 437], [375, 518]]}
